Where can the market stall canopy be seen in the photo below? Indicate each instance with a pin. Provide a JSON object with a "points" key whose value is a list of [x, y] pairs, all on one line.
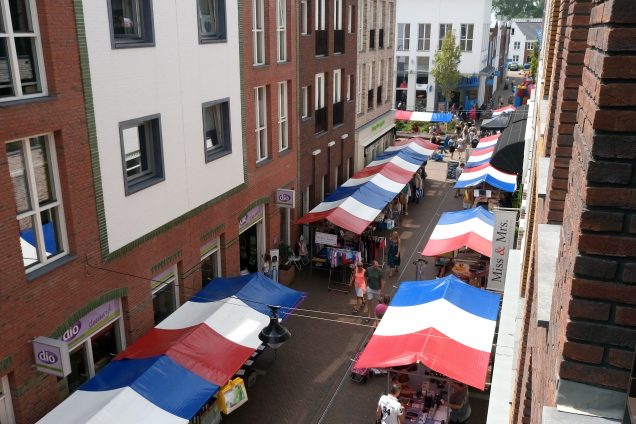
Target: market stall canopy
{"points": [[489, 141], [472, 228], [488, 174], [505, 109], [405, 115], [508, 156], [171, 372], [445, 324], [498, 122], [357, 202], [479, 156]]}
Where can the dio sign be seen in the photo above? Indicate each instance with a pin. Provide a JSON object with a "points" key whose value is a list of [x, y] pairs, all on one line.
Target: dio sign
{"points": [[285, 198], [51, 356]]}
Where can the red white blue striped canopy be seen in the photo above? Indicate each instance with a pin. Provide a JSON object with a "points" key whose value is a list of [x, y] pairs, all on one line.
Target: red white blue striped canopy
{"points": [[505, 109], [486, 173], [168, 374], [407, 115], [489, 141], [471, 228], [445, 324], [479, 156], [357, 202]]}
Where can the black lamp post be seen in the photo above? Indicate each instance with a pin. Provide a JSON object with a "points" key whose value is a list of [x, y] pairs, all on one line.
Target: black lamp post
{"points": [[274, 335]]}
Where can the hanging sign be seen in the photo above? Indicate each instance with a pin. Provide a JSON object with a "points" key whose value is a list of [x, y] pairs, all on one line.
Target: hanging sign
{"points": [[285, 198], [326, 238], [502, 241], [232, 395], [51, 356]]}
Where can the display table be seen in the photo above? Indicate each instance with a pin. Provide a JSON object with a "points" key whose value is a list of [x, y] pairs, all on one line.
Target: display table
{"points": [[426, 400]]}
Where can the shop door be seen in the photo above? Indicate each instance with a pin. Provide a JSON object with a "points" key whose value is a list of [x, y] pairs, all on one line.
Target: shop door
{"points": [[248, 241]]}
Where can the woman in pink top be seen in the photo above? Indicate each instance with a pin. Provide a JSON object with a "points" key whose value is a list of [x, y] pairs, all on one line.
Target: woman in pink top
{"points": [[360, 284]]}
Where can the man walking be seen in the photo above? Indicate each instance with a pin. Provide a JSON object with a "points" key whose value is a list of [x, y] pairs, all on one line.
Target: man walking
{"points": [[375, 287], [390, 410]]}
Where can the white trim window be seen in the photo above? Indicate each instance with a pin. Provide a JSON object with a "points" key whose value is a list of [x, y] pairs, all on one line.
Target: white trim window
{"points": [[516, 45], [372, 8], [361, 26], [281, 30], [349, 86], [21, 60], [443, 30], [211, 20], [530, 45], [404, 34], [515, 58], [261, 123], [387, 78], [359, 90], [350, 12], [466, 37], [165, 294], [320, 91], [258, 31], [337, 15], [283, 140], [304, 102], [320, 21], [390, 27], [38, 197], [337, 86], [424, 37], [380, 14], [304, 28]]}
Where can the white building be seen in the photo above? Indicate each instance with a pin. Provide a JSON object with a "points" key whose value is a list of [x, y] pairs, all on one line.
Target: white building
{"points": [[166, 96], [524, 36], [421, 25]]}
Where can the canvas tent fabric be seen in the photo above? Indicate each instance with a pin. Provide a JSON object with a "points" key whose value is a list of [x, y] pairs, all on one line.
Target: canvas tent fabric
{"points": [[357, 202], [508, 155], [498, 122], [171, 372], [472, 228], [505, 109], [489, 141], [445, 324], [488, 174], [479, 156], [405, 115]]}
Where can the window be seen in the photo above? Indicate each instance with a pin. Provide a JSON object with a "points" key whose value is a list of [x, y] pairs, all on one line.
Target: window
{"points": [[142, 157], [530, 46], [380, 14], [387, 78], [515, 58], [21, 62], [512, 31], [466, 37], [281, 29], [320, 91], [283, 141], [402, 74], [350, 12], [165, 296], [258, 26], [337, 15], [361, 26], [337, 86], [303, 18], [322, 188], [216, 129], [404, 33], [304, 102], [349, 86], [211, 265], [36, 188], [422, 70], [424, 37], [443, 30], [390, 27], [212, 20], [131, 23], [320, 15], [285, 224], [517, 45], [370, 87], [359, 90], [261, 124]]}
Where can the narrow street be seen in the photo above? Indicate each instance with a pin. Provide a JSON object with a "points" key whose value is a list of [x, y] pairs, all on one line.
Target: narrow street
{"points": [[309, 381]]}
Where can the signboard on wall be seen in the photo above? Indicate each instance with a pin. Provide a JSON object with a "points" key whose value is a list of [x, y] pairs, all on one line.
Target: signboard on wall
{"points": [[51, 356], [325, 238], [285, 198], [251, 217], [502, 241], [89, 323]]}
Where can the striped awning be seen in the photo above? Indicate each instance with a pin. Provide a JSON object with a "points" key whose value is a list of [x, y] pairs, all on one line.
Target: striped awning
{"points": [[406, 115], [505, 109], [488, 174], [472, 228], [479, 156]]}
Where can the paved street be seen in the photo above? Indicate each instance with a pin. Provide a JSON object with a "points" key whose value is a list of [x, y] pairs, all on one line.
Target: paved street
{"points": [[309, 381]]}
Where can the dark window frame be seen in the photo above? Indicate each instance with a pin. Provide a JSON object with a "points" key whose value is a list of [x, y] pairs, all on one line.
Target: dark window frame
{"points": [[158, 174], [147, 36], [221, 36], [226, 140]]}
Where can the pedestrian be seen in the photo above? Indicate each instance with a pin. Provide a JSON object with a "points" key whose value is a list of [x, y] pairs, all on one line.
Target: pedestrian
{"points": [[380, 310], [472, 115], [390, 410], [394, 253], [458, 172], [461, 148], [452, 146], [469, 198], [358, 279], [375, 287], [459, 404], [418, 187], [404, 199], [267, 265]]}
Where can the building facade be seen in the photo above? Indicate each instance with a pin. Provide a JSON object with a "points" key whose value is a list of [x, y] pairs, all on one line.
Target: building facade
{"points": [[524, 38], [421, 27], [163, 179], [376, 51], [327, 83]]}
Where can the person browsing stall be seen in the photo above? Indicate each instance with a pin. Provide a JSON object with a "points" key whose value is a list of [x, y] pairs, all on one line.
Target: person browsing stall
{"points": [[390, 410], [375, 287], [394, 253], [459, 404], [360, 285]]}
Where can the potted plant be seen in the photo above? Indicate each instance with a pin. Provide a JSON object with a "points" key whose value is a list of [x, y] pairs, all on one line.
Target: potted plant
{"points": [[286, 270]]}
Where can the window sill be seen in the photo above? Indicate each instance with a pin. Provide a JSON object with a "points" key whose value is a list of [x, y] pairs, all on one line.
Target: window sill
{"points": [[263, 162], [27, 100], [285, 152], [305, 119], [210, 40], [141, 185], [322, 56], [210, 157], [132, 44], [338, 125], [320, 134], [259, 65], [39, 272]]}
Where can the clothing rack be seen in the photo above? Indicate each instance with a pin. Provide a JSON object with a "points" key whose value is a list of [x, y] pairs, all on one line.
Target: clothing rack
{"points": [[373, 248], [339, 261]]}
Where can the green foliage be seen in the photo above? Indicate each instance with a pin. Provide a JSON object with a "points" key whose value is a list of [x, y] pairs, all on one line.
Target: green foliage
{"points": [[408, 125], [534, 63], [446, 69], [517, 197], [509, 9]]}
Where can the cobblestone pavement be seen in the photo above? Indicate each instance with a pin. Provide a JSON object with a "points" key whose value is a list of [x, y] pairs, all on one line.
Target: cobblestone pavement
{"points": [[308, 381]]}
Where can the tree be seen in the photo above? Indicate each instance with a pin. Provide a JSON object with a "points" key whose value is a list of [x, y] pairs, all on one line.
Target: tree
{"points": [[509, 9], [446, 68]]}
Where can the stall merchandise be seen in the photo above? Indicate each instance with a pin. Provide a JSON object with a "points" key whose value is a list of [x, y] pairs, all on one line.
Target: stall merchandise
{"points": [[425, 394]]}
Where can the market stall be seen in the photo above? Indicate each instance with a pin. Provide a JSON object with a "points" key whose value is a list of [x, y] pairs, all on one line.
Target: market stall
{"points": [[488, 174], [172, 372], [505, 109], [489, 141], [406, 115], [496, 123], [479, 156], [509, 152]]}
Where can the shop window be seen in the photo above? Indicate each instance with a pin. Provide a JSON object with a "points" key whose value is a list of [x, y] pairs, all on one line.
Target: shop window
{"points": [[131, 23], [165, 300], [216, 129], [105, 346], [210, 267], [6, 407], [38, 198], [212, 21], [79, 369], [21, 62], [142, 156]]}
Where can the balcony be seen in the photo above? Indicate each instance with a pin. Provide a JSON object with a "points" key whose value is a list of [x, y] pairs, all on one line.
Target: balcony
{"points": [[372, 39], [370, 99], [338, 41], [379, 99], [381, 38], [321, 120], [338, 113], [321, 42]]}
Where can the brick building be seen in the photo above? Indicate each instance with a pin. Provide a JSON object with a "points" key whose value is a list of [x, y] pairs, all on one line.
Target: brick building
{"points": [[576, 333], [138, 174], [327, 64]]}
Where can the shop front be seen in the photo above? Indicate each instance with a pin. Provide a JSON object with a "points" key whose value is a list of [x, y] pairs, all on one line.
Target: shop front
{"points": [[6, 407], [252, 239], [210, 261], [374, 138]]}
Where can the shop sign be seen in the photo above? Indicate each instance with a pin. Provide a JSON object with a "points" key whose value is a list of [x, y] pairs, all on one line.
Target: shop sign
{"points": [[285, 198], [380, 126], [91, 323], [250, 218], [325, 238], [51, 356], [502, 241]]}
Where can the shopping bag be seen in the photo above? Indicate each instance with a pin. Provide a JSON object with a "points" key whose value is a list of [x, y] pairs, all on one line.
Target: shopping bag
{"points": [[232, 395], [390, 224]]}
